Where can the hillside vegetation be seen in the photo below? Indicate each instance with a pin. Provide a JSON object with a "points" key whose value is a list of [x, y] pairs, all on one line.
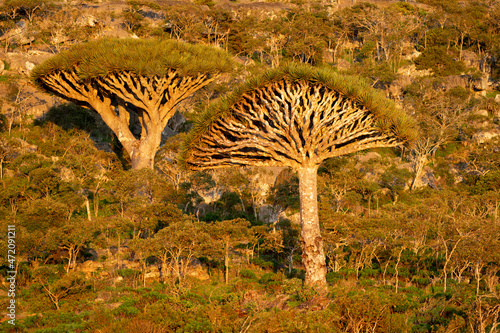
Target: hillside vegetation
{"points": [[411, 235]]}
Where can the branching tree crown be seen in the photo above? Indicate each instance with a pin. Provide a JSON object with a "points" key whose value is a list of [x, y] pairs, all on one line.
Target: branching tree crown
{"points": [[297, 116], [127, 80], [293, 115]]}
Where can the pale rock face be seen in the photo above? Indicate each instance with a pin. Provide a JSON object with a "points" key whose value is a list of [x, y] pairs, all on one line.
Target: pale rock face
{"points": [[413, 55], [87, 20], [413, 72], [153, 274], [67, 174], [483, 113], [269, 213], [485, 136], [29, 66], [198, 272]]}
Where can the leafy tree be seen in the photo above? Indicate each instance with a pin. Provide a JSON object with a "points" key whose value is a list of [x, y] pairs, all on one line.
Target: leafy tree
{"points": [[142, 250], [296, 116], [439, 61], [57, 287], [291, 241], [71, 238], [128, 80], [439, 113], [177, 244], [185, 22], [305, 35], [225, 235], [26, 8]]}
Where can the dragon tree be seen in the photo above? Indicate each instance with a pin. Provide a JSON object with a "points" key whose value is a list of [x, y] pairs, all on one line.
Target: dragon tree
{"points": [[296, 116], [127, 80]]}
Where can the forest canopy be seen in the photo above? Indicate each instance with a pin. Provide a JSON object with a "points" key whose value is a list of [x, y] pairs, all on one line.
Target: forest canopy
{"points": [[109, 240]]}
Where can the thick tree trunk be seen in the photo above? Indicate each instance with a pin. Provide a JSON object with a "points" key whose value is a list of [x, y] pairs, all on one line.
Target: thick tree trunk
{"points": [[313, 256], [143, 153]]}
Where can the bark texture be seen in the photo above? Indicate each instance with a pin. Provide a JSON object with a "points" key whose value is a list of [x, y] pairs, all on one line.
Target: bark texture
{"points": [[313, 256], [116, 96]]}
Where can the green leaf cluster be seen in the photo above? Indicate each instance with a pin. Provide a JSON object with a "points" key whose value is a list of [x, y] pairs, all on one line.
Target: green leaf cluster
{"points": [[99, 58]]}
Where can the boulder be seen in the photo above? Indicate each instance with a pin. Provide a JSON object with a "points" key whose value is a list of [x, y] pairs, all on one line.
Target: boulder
{"points": [[211, 195], [176, 122], [328, 56], [23, 62], [86, 21], [342, 64], [466, 81], [412, 71], [89, 267], [29, 66], [153, 274], [66, 174], [457, 177], [481, 112], [471, 59], [485, 136], [25, 147], [197, 271]]}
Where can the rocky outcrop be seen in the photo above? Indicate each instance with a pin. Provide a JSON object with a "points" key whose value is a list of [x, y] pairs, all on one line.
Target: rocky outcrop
{"points": [[413, 72], [466, 81], [485, 136]]}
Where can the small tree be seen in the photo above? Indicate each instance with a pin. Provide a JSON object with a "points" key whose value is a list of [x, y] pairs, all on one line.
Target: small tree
{"points": [[296, 116], [177, 244], [131, 80], [27, 8], [72, 237], [225, 235]]}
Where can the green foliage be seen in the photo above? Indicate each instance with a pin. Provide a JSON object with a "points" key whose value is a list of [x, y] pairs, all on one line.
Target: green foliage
{"points": [[488, 182], [209, 3], [379, 72], [101, 57], [262, 263], [248, 274], [439, 61], [286, 194], [270, 278], [137, 4], [52, 168], [128, 273]]}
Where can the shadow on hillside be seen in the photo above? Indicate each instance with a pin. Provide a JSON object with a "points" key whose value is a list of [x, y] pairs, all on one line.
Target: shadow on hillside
{"points": [[70, 116]]}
